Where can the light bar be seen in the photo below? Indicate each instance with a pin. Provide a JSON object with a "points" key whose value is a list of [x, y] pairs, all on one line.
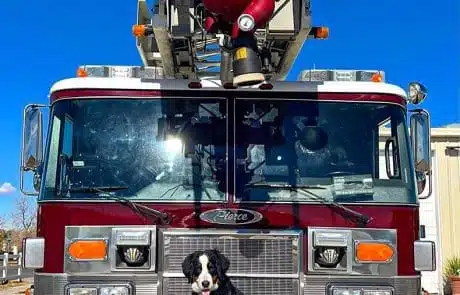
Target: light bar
{"points": [[342, 75], [120, 72]]}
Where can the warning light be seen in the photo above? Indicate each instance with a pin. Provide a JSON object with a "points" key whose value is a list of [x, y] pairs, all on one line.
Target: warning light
{"points": [[138, 30], [82, 73], [377, 77], [142, 30], [321, 33], [195, 85]]}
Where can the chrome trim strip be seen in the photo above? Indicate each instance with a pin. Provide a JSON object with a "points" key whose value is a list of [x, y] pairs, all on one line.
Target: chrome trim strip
{"points": [[240, 275], [146, 284]]}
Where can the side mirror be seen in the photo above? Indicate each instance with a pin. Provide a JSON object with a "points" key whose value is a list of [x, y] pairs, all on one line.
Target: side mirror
{"points": [[32, 145], [420, 130], [417, 93]]}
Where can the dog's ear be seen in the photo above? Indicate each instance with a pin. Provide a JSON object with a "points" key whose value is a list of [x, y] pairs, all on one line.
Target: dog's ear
{"points": [[187, 266], [222, 264]]}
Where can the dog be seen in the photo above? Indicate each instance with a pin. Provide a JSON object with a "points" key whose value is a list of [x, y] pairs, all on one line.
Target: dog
{"points": [[206, 272]]}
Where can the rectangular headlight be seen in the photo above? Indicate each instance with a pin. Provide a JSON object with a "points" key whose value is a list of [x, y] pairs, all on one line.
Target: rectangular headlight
{"points": [[331, 238], [94, 289], [114, 291], [82, 291], [132, 237], [364, 290]]}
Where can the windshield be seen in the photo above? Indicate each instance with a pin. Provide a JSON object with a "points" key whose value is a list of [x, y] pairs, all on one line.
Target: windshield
{"points": [[176, 149], [335, 149], [164, 149]]}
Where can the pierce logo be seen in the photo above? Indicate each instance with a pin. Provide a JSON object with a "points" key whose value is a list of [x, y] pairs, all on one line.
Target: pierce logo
{"points": [[231, 216]]}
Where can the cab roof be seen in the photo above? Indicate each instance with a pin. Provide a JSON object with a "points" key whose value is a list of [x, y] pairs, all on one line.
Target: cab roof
{"points": [[133, 84]]}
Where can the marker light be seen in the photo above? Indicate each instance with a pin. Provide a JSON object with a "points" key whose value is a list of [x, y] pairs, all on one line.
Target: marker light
{"points": [[88, 250], [142, 30], [321, 32], [376, 252], [82, 73], [266, 86], [377, 77], [246, 23], [195, 85]]}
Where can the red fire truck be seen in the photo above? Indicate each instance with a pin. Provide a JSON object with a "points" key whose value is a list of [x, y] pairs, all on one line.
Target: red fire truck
{"points": [[307, 186]]}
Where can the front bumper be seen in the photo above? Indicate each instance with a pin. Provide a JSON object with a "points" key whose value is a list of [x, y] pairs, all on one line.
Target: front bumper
{"points": [[55, 284]]}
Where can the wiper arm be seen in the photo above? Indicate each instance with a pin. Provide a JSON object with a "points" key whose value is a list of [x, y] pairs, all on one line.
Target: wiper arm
{"points": [[352, 214], [138, 208]]}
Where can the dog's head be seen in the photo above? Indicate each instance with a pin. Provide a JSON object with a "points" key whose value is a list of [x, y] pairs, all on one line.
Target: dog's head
{"points": [[205, 270]]}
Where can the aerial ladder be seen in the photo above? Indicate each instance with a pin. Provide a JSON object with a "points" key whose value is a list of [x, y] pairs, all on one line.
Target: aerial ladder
{"points": [[239, 42]]}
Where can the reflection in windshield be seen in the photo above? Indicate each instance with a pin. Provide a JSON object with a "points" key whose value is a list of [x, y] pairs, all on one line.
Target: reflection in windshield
{"points": [[158, 149], [334, 146]]}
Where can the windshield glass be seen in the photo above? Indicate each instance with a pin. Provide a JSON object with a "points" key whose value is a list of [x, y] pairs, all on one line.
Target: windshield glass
{"points": [[335, 149], [164, 149]]}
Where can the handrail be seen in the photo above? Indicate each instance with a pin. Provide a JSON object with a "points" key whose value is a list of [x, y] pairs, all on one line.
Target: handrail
{"points": [[11, 267]]}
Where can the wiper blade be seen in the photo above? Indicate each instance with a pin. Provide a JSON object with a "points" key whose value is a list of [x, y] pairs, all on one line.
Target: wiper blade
{"points": [[360, 218], [96, 189], [351, 214], [138, 208], [284, 185]]}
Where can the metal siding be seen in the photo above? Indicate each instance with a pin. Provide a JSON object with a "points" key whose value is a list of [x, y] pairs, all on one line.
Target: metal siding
{"points": [[449, 195]]}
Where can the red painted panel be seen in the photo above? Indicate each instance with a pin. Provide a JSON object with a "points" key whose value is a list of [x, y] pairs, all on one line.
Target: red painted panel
{"points": [[108, 93], [53, 218]]}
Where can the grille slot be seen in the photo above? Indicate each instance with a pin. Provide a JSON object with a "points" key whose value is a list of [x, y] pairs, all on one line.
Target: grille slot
{"points": [[248, 254], [253, 286]]}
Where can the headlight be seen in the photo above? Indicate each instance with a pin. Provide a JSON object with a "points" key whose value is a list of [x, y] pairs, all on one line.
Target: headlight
{"points": [[83, 291], [99, 290], [360, 290], [114, 291]]}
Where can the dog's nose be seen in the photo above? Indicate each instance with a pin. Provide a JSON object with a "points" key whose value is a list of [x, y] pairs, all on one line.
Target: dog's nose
{"points": [[205, 284]]}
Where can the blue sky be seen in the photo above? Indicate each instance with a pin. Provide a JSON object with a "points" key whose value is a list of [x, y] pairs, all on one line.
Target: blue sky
{"points": [[44, 41]]}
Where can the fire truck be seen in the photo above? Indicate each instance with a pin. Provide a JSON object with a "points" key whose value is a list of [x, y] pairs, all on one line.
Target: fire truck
{"points": [[306, 187]]}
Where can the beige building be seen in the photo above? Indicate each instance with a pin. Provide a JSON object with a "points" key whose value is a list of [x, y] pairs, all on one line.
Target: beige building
{"points": [[440, 213], [445, 143]]}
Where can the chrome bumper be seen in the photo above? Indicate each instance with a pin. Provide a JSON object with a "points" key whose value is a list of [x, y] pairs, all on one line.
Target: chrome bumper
{"points": [[54, 284]]}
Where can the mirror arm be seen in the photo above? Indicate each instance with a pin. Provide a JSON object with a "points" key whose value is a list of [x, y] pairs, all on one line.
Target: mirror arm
{"points": [[430, 186]]}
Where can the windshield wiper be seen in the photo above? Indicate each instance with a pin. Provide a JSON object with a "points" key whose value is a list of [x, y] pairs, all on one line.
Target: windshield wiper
{"points": [[360, 218], [96, 189], [138, 208]]}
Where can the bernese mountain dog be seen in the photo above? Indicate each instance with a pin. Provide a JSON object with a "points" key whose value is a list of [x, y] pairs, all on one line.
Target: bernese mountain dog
{"points": [[205, 271]]}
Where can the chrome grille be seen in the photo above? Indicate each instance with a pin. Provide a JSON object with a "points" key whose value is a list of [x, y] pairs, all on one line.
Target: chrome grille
{"points": [[252, 286], [248, 253]]}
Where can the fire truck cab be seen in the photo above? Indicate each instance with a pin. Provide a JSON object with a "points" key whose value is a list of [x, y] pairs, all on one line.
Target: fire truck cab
{"points": [[192, 151]]}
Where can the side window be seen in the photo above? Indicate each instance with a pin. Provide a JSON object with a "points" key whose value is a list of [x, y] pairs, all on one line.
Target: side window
{"points": [[67, 137], [50, 181]]}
